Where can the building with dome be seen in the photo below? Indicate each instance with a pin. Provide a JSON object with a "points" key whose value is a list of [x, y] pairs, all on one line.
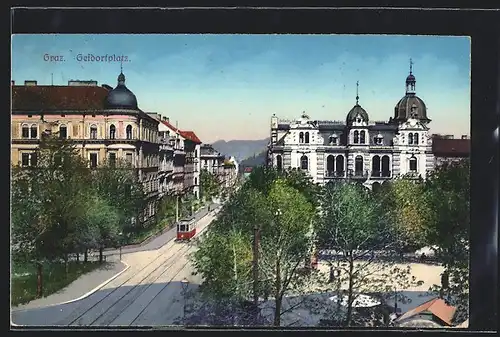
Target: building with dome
{"points": [[104, 123], [357, 148]]}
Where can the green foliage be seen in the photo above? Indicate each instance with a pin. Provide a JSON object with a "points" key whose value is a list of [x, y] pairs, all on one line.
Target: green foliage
{"points": [[209, 185], [448, 189]]}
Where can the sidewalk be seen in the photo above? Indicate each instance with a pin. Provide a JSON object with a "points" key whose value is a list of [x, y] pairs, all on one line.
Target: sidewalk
{"points": [[80, 288]]}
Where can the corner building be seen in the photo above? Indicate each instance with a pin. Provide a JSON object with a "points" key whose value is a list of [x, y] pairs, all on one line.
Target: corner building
{"points": [[369, 152], [105, 124]]}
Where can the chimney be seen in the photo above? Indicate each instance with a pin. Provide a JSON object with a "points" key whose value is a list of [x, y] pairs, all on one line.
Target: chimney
{"points": [[78, 83], [30, 83], [166, 119]]}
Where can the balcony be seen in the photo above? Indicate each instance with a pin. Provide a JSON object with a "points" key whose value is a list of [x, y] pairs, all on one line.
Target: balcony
{"points": [[380, 174], [335, 174], [358, 174]]}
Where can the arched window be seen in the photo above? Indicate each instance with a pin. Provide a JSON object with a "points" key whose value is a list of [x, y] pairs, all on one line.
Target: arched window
{"points": [[413, 164], [301, 137], [362, 137], [339, 163], [386, 168], [25, 131], [93, 131], [34, 131], [63, 132], [307, 138], [279, 162], [415, 138], [330, 165], [376, 166], [410, 139], [304, 162], [112, 131], [358, 165], [128, 131], [356, 137]]}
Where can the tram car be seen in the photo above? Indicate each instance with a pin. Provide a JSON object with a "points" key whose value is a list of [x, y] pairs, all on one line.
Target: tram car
{"points": [[186, 229]]}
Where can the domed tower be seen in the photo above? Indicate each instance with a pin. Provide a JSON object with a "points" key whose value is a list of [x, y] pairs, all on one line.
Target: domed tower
{"points": [[410, 106], [121, 97], [357, 116]]}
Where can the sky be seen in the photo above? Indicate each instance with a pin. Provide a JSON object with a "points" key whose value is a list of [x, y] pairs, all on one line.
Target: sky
{"points": [[228, 86]]}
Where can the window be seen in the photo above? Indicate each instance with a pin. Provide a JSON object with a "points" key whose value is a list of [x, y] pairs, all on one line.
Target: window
{"points": [[362, 137], [112, 131], [33, 159], [330, 163], [413, 164], [304, 162], [339, 164], [34, 131], [196, 153], [25, 131], [356, 137], [63, 132], [307, 138], [376, 166], [93, 160], [410, 139], [25, 159], [386, 172], [93, 131], [196, 181], [301, 137], [112, 159], [358, 165], [279, 162], [415, 138], [128, 158], [128, 131]]}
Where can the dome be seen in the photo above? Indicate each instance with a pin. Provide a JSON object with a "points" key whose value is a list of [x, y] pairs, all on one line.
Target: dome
{"points": [[410, 78], [121, 97], [410, 106], [355, 111]]}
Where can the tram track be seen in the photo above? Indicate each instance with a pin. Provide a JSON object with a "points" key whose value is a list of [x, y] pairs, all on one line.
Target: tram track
{"points": [[110, 304]]}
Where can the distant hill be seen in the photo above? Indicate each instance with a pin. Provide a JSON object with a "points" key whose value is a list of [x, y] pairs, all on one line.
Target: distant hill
{"points": [[255, 160], [241, 149]]}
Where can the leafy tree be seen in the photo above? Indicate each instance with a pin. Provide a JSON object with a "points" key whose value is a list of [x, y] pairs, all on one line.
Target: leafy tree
{"points": [[352, 228], [209, 185], [448, 190], [409, 209], [167, 207], [286, 242], [118, 184]]}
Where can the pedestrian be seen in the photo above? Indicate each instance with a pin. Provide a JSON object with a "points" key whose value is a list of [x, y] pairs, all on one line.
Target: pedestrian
{"points": [[422, 258]]}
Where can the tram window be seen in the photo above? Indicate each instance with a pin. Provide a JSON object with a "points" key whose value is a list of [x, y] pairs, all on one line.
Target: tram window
{"points": [[183, 228]]}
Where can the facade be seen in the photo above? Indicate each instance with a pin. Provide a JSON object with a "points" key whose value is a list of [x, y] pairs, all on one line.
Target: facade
{"points": [[210, 159], [230, 172], [175, 183], [369, 152], [166, 158], [192, 167], [104, 123]]}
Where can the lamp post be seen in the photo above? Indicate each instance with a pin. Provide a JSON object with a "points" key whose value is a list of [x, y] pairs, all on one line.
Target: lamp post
{"points": [[185, 285], [121, 242]]}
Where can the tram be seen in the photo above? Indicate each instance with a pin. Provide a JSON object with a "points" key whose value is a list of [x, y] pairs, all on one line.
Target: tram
{"points": [[186, 229]]}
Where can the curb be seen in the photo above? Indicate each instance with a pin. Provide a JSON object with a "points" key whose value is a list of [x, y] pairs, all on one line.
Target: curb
{"points": [[127, 266]]}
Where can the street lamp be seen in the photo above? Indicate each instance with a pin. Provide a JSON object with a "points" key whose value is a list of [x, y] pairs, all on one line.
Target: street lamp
{"points": [[185, 285], [121, 242]]}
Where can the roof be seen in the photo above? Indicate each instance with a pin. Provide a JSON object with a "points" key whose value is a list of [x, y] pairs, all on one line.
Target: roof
{"points": [[451, 147], [248, 169], [436, 306], [170, 126], [191, 136], [52, 97]]}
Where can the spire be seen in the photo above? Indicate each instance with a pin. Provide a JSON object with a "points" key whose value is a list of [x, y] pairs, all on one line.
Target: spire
{"points": [[411, 66], [357, 92], [121, 77]]}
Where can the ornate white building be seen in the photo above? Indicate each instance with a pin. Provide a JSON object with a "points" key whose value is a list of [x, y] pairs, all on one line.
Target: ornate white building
{"points": [[357, 148]]}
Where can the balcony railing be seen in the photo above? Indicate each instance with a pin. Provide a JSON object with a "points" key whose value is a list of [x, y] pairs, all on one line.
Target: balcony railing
{"points": [[358, 174], [335, 174], [381, 174]]}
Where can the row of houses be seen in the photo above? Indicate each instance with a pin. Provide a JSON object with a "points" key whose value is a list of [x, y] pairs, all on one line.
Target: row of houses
{"points": [[107, 125]]}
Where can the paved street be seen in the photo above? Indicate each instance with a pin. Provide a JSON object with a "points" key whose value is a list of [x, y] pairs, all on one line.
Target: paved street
{"points": [[148, 293]]}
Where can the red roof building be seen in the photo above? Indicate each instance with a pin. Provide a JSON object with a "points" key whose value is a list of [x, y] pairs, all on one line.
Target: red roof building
{"points": [[436, 310], [191, 136], [442, 147]]}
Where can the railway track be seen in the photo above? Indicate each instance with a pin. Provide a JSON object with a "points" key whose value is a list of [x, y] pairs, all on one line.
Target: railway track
{"points": [[115, 304]]}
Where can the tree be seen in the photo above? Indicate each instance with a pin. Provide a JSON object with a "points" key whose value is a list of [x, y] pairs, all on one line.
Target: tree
{"points": [[361, 240], [48, 204], [119, 185], [286, 242], [448, 190], [409, 211], [209, 185]]}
